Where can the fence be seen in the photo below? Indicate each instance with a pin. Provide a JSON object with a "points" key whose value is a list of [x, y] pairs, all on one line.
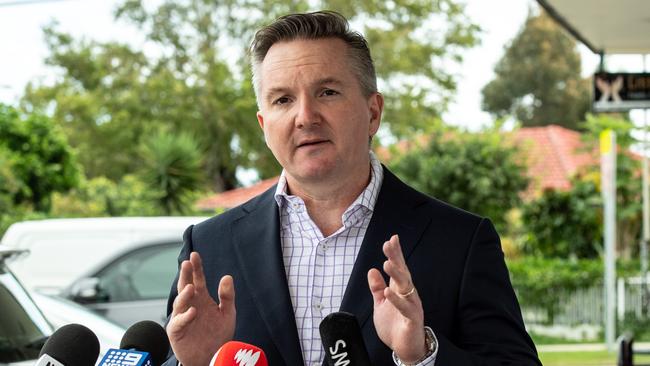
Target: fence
{"points": [[583, 306], [586, 306]]}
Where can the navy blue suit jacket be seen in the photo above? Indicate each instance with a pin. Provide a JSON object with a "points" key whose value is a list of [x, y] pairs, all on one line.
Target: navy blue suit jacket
{"points": [[455, 260]]}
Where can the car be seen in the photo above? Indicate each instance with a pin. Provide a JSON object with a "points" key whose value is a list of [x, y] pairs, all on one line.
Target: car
{"points": [[23, 328], [28, 319], [59, 312], [121, 268]]}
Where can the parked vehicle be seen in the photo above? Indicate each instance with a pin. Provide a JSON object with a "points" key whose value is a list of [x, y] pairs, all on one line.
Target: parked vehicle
{"points": [[120, 267], [23, 328], [59, 312], [28, 319]]}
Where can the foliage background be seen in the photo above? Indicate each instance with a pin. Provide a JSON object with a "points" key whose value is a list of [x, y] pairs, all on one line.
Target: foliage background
{"points": [[124, 131]]}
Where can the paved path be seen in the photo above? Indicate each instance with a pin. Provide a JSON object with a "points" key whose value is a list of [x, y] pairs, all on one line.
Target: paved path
{"points": [[583, 347]]}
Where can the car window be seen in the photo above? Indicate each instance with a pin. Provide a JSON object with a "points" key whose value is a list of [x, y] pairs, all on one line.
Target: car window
{"points": [[49, 267], [144, 274], [21, 337]]}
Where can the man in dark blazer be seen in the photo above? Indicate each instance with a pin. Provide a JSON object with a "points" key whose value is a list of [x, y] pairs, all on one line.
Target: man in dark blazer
{"points": [[443, 294]]}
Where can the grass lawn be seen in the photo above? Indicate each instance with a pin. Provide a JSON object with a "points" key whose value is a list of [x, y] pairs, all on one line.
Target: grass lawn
{"points": [[596, 358]]}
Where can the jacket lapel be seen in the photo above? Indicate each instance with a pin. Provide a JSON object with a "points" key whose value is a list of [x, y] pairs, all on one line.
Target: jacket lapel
{"points": [[394, 213], [257, 244]]}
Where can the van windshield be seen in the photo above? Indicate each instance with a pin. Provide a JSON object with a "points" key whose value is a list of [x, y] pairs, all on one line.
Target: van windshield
{"points": [[21, 338]]}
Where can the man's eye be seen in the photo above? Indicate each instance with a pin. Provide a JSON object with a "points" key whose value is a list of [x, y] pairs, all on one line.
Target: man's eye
{"points": [[329, 92], [281, 100]]}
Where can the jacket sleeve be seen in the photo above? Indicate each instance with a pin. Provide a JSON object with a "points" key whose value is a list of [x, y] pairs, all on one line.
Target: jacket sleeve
{"points": [[490, 329]]}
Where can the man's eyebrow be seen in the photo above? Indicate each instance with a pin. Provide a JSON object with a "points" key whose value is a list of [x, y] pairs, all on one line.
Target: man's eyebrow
{"points": [[329, 80], [276, 90]]}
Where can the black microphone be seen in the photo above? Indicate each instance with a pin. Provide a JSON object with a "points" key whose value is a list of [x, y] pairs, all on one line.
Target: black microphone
{"points": [[341, 337], [70, 345], [147, 336], [145, 343]]}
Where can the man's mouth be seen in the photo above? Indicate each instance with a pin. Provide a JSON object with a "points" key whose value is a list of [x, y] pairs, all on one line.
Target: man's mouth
{"points": [[311, 143]]}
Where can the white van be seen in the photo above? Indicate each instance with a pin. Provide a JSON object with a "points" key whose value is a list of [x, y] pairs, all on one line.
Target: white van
{"points": [[120, 267]]}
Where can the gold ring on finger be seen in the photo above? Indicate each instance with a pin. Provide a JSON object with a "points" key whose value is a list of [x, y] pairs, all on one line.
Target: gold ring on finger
{"points": [[407, 294]]}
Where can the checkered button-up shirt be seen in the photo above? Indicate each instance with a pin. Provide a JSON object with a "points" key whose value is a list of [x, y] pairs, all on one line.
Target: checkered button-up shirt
{"points": [[318, 268]]}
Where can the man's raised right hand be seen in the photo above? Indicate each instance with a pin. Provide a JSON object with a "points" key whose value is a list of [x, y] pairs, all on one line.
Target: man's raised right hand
{"points": [[198, 325]]}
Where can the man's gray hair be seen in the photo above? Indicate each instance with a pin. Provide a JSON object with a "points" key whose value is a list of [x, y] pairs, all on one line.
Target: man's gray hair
{"points": [[316, 25]]}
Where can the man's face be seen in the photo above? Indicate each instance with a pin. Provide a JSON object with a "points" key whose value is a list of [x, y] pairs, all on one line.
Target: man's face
{"points": [[315, 118]]}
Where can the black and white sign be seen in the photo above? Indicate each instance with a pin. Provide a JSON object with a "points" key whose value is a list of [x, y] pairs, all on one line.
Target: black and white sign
{"points": [[621, 91]]}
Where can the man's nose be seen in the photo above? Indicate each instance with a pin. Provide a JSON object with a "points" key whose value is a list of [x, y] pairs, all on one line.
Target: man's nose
{"points": [[307, 113]]}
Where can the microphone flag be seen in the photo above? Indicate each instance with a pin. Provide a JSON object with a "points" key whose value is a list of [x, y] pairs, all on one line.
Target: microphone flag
{"points": [[122, 357], [236, 353]]}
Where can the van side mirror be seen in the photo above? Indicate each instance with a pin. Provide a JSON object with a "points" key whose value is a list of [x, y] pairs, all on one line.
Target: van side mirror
{"points": [[88, 291]]}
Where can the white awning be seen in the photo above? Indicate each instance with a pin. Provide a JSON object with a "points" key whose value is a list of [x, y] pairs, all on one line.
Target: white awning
{"points": [[605, 26]]}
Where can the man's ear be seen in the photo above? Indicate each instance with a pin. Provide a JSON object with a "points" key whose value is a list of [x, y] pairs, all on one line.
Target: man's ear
{"points": [[260, 119], [376, 106]]}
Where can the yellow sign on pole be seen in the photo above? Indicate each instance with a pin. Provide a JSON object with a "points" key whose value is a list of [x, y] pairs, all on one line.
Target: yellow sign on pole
{"points": [[608, 186], [606, 141]]}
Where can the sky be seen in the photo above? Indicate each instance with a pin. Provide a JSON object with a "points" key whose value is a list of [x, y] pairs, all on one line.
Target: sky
{"points": [[23, 47]]}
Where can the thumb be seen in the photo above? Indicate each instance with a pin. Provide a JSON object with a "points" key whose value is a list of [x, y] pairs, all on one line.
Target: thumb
{"points": [[179, 323]]}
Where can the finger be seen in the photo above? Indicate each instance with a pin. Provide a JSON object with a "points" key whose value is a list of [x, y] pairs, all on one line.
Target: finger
{"points": [[396, 267], [227, 294], [184, 276], [376, 284], [180, 322], [400, 278], [404, 305], [183, 301], [197, 271], [393, 250]]}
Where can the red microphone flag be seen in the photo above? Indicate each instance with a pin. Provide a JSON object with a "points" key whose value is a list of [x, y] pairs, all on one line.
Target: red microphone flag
{"points": [[235, 353]]}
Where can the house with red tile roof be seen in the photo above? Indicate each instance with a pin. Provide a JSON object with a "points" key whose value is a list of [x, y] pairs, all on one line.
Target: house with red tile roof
{"points": [[552, 153], [234, 197]]}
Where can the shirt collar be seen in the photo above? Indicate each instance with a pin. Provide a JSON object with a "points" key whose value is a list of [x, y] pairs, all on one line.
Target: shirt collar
{"points": [[367, 198]]}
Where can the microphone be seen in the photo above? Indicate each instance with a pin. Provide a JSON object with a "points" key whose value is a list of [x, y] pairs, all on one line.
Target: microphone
{"points": [[70, 345], [235, 353], [145, 343], [341, 337]]}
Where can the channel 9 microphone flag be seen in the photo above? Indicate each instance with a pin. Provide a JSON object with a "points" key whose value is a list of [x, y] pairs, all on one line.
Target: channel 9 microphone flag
{"points": [[145, 343], [342, 340], [235, 353], [70, 345]]}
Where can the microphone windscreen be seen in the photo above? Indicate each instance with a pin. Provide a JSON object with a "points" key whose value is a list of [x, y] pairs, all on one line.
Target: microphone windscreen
{"points": [[342, 340], [147, 336], [235, 353], [72, 345]]}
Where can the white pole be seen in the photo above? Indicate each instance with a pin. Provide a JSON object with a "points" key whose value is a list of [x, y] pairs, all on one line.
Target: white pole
{"points": [[608, 178], [646, 205]]}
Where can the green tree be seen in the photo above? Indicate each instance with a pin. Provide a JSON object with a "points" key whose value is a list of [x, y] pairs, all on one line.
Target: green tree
{"points": [[102, 197], [172, 170], [9, 185], [41, 160], [479, 172], [628, 179], [570, 224], [565, 224], [538, 78], [110, 96]]}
